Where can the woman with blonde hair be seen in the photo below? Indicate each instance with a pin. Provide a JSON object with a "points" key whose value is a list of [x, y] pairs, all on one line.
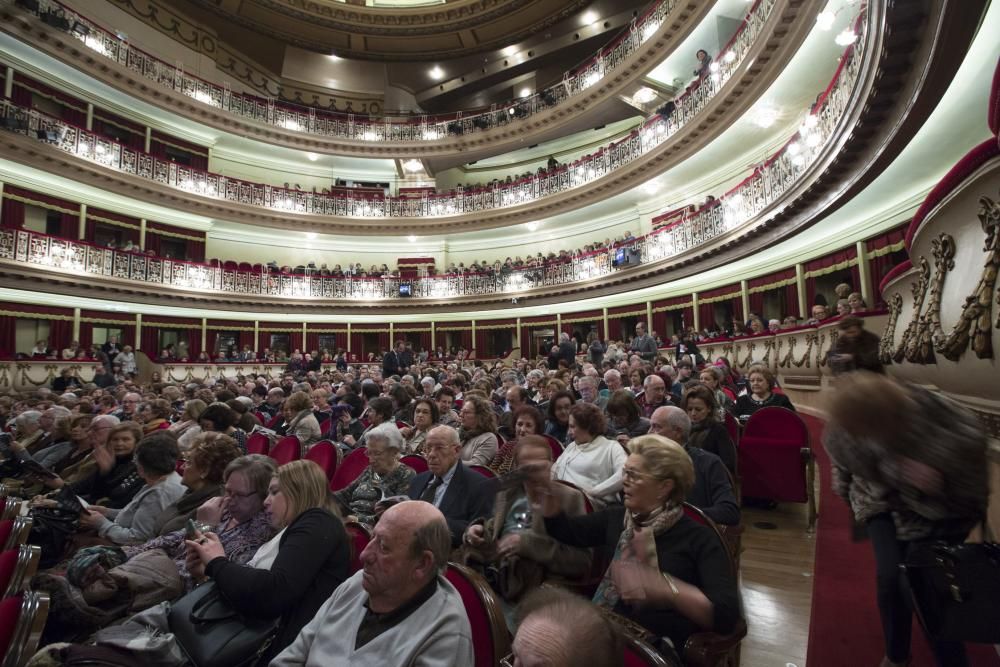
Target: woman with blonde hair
{"points": [[186, 428], [300, 420], [669, 573], [478, 430]]}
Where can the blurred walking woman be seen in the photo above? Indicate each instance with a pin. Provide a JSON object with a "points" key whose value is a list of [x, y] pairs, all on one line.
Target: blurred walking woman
{"points": [[913, 467]]}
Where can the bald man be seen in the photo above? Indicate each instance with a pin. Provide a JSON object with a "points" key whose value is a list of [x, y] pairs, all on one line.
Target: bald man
{"points": [[399, 609], [559, 629]]}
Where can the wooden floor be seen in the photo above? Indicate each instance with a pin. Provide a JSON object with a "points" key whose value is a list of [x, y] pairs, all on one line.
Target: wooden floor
{"points": [[776, 581]]}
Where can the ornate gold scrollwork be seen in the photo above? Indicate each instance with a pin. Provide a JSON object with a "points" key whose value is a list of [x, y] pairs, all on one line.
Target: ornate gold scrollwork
{"points": [[920, 348], [768, 348], [821, 356], [919, 290], [747, 360], [811, 339], [885, 345], [5, 378], [975, 322]]}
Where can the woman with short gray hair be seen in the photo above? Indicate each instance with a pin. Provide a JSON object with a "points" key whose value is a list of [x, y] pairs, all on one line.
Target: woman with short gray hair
{"points": [[384, 477]]}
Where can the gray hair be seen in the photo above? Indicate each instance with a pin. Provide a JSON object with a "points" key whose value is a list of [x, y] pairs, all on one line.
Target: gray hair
{"points": [[27, 417], [433, 536], [679, 420], [59, 412], [535, 374], [428, 382], [652, 377], [612, 373], [392, 444], [110, 420], [257, 468]]}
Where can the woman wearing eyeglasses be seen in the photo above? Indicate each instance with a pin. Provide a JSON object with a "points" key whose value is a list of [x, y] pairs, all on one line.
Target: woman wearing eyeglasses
{"points": [[670, 574], [384, 477]]}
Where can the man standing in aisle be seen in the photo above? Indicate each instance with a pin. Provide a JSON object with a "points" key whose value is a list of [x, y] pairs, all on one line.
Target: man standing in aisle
{"points": [[643, 344]]}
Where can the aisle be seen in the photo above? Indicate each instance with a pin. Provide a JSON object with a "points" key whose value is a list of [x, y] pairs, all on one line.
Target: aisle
{"points": [[844, 629]]}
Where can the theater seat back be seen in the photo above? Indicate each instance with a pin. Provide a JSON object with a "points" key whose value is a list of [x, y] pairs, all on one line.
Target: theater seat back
{"points": [[771, 462], [258, 443], [360, 536], [416, 462], [484, 471], [555, 446], [350, 469], [326, 455], [286, 450], [490, 639]]}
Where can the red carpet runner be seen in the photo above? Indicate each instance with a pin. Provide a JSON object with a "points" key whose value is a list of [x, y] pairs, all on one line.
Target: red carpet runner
{"points": [[844, 628]]}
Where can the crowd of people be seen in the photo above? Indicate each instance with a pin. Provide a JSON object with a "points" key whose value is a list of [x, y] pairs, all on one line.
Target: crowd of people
{"points": [[143, 491]]}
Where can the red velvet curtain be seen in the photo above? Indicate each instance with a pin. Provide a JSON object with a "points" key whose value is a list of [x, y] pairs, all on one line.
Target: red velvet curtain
{"points": [[384, 344], [792, 300], [246, 338], [69, 226], [12, 214], [21, 96], [196, 251], [128, 334], [74, 116], [60, 333], [482, 343], [356, 339], [86, 334], [150, 343], [312, 340], [152, 242]]}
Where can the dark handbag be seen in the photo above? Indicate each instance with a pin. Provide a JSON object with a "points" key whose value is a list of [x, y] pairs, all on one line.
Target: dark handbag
{"points": [[956, 590], [211, 633], [53, 527]]}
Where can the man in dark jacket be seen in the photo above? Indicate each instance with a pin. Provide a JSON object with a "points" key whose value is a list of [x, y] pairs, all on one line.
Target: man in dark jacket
{"points": [[856, 349], [567, 349], [390, 362]]}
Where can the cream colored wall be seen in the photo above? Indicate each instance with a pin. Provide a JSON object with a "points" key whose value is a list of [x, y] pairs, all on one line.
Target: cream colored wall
{"points": [[28, 332], [272, 175], [321, 70], [35, 218]]}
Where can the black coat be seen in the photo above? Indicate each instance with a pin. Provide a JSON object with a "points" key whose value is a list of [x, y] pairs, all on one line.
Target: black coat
{"points": [[314, 557], [390, 364], [469, 496], [713, 437]]}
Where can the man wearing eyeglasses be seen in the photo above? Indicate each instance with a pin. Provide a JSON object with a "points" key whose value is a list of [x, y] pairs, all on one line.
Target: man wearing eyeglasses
{"points": [[129, 408], [643, 344]]}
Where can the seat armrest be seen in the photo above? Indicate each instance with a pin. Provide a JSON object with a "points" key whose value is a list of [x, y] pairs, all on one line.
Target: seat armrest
{"points": [[709, 649]]}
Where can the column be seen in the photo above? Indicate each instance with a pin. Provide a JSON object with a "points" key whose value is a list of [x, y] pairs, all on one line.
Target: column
{"points": [[800, 289], [1, 184], [142, 233], [607, 330], [256, 336], [209, 159], [90, 117], [517, 335], [138, 332], [558, 327], [81, 230], [697, 317], [149, 139], [76, 324], [864, 271], [304, 346], [392, 336], [433, 336], [649, 317], [479, 353], [8, 82], [745, 299], [204, 334], [349, 339]]}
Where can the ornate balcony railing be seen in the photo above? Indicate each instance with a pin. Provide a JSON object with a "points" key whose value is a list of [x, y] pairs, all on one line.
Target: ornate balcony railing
{"points": [[655, 131], [761, 189], [348, 126]]}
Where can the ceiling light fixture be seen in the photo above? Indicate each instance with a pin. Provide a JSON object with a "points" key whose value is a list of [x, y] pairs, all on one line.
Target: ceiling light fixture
{"points": [[588, 17], [644, 95], [846, 38], [651, 187], [312, 157], [525, 92], [311, 236], [413, 165], [765, 116], [825, 19], [729, 57], [532, 226], [436, 73], [411, 238]]}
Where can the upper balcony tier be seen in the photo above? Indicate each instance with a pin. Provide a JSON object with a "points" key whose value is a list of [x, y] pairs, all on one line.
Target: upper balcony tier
{"points": [[471, 134], [757, 55]]}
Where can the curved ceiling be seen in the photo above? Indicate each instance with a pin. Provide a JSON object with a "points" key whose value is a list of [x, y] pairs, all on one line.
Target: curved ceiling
{"points": [[454, 28]]}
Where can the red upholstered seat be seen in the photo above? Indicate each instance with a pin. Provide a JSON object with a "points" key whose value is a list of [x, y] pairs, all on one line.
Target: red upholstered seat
{"points": [[775, 458], [258, 443], [733, 428], [490, 639], [326, 455], [360, 536], [230, 265], [274, 421], [22, 619], [286, 450], [8, 563], [401, 424], [10, 611], [640, 654], [416, 462], [993, 112], [350, 469], [587, 505], [484, 471], [729, 392], [555, 446], [324, 426], [6, 528]]}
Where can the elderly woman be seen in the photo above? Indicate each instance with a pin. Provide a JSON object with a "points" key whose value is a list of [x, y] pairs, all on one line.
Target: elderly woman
{"points": [[636, 378], [28, 434], [300, 420], [478, 431], [514, 540], [155, 463], [384, 477], [761, 394], [707, 432], [913, 467], [69, 450], [669, 573], [856, 302], [712, 377], [115, 480], [533, 384], [591, 461], [425, 417], [557, 424], [626, 421], [220, 418], [154, 415], [126, 359], [291, 576], [527, 421], [186, 428]]}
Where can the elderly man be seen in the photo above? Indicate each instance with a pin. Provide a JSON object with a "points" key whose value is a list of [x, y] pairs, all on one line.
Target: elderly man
{"points": [[45, 451], [713, 487], [567, 350], [516, 397], [129, 410], [461, 494], [272, 404], [654, 395], [560, 629], [399, 609], [613, 379], [587, 386], [819, 313], [427, 385], [445, 400]]}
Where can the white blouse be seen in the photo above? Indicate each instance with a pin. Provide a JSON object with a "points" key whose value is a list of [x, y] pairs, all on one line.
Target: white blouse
{"points": [[595, 467]]}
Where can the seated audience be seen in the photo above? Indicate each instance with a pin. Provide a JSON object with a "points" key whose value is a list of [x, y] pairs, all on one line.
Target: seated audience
{"points": [[445, 398], [761, 394], [153, 415], [669, 573], [512, 547], [625, 420], [707, 432], [220, 418], [300, 420], [654, 395], [591, 461], [399, 610], [380, 419], [425, 417], [384, 477], [712, 377], [559, 405], [527, 421], [477, 431], [713, 491], [461, 494], [186, 428]]}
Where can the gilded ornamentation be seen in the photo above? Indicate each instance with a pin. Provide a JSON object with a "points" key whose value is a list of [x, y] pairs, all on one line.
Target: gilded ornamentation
{"points": [[747, 360], [974, 323], [885, 344], [769, 347], [919, 290], [920, 348], [805, 360]]}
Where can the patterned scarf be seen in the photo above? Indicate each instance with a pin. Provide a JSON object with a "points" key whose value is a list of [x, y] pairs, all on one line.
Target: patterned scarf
{"points": [[642, 551]]}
